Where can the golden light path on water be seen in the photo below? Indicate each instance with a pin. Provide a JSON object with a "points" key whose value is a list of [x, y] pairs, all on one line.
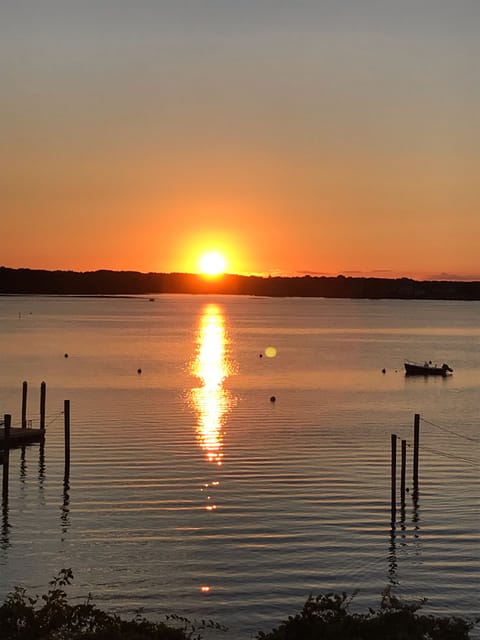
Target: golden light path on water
{"points": [[212, 367]]}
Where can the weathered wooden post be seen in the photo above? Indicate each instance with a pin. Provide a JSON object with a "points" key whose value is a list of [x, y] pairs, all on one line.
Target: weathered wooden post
{"points": [[43, 394], [66, 420], [24, 404], [6, 456], [394, 477], [416, 443], [402, 472]]}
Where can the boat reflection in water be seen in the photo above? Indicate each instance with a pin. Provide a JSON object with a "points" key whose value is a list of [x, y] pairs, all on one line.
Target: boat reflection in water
{"points": [[212, 367]]}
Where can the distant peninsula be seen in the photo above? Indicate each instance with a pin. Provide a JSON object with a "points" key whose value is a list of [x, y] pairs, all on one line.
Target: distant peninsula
{"points": [[105, 282]]}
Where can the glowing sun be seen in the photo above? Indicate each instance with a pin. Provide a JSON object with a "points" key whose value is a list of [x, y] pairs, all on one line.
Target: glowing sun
{"points": [[212, 264]]}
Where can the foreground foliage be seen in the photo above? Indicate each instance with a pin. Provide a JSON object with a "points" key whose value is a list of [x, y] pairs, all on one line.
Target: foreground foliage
{"points": [[327, 618], [52, 617]]}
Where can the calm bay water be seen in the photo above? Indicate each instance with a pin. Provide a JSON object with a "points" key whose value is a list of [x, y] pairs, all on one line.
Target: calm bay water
{"points": [[192, 492]]}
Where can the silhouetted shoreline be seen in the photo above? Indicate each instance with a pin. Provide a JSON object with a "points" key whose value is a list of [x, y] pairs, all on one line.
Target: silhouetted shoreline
{"points": [[105, 282]]}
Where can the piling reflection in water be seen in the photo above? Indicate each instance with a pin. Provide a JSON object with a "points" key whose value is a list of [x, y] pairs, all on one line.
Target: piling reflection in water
{"points": [[23, 466], [5, 527], [65, 509], [212, 367], [404, 535], [41, 473]]}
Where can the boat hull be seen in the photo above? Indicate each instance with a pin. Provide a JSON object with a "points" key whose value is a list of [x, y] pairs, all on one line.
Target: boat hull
{"points": [[412, 369]]}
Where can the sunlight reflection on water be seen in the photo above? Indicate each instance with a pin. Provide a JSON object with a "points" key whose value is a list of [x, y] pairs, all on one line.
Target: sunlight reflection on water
{"points": [[211, 366]]}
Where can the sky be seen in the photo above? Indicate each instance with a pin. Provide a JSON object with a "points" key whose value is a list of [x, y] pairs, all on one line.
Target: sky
{"points": [[315, 136]]}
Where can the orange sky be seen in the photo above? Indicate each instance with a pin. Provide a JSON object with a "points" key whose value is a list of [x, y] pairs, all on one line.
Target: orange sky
{"points": [[308, 137]]}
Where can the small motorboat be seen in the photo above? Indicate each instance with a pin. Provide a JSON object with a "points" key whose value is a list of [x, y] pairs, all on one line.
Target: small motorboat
{"points": [[426, 369]]}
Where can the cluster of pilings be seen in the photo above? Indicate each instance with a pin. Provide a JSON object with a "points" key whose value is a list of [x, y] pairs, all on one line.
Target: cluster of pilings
{"points": [[19, 437], [403, 467]]}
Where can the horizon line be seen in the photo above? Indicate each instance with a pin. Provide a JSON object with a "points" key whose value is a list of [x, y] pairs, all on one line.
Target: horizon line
{"points": [[376, 274]]}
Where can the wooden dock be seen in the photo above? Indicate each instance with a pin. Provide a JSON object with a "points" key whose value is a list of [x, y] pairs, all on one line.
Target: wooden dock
{"points": [[19, 437], [14, 437]]}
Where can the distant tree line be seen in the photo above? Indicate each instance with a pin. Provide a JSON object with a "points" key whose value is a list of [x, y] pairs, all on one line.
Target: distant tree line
{"points": [[104, 282]]}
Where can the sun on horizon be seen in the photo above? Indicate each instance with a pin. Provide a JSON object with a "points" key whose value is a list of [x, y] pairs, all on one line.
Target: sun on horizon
{"points": [[212, 264]]}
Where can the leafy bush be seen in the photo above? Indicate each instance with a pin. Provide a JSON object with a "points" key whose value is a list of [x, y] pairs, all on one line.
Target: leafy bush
{"points": [[51, 617], [327, 618]]}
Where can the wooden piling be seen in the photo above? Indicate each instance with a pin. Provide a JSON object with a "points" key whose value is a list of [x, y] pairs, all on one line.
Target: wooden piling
{"points": [[402, 472], [43, 395], [394, 478], [66, 420], [6, 456], [24, 404], [416, 444]]}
